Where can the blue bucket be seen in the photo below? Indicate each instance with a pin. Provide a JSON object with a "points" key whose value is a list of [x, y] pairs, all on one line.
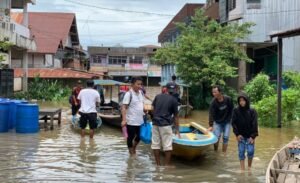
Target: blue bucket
{"points": [[27, 118], [4, 117], [13, 112]]}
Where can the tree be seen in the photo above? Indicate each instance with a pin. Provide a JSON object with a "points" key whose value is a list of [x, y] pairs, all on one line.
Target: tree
{"points": [[4, 46], [205, 51]]}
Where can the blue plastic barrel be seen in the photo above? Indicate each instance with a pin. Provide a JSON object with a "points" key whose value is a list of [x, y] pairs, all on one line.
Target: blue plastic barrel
{"points": [[13, 112], [4, 116], [27, 118]]}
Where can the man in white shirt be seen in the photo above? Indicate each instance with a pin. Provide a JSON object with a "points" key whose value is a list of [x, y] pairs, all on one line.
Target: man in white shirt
{"points": [[89, 99], [132, 113]]}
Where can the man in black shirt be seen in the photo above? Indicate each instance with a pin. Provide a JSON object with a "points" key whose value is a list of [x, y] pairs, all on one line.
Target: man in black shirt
{"points": [[165, 108], [220, 112]]}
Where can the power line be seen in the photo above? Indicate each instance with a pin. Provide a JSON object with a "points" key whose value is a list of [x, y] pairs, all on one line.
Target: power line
{"points": [[121, 21], [118, 10]]}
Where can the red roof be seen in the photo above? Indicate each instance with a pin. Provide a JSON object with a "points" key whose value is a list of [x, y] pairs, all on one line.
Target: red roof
{"points": [[57, 73], [47, 29]]}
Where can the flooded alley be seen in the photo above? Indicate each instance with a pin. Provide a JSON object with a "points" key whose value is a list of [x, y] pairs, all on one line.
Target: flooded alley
{"points": [[61, 155]]}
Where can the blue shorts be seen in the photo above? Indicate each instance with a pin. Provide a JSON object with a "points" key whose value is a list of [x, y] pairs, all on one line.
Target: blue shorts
{"points": [[244, 146], [224, 128]]}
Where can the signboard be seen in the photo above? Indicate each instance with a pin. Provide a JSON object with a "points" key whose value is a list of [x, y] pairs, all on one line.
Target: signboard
{"points": [[136, 66]]}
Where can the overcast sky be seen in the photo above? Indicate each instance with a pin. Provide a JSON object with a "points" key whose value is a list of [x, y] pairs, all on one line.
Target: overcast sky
{"points": [[100, 23]]}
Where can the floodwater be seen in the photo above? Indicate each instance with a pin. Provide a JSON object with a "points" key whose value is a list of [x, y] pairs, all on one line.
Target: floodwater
{"points": [[62, 156]]}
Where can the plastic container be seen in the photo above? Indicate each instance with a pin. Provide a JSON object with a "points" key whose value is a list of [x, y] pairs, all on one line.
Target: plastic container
{"points": [[27, 118]]}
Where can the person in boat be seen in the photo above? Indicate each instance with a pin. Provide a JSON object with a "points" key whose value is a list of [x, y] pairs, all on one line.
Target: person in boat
{"points": [[75, 104], [101, 93], [132, 113], [165, 109], [89, 99], [220, 113], [245, 128]]}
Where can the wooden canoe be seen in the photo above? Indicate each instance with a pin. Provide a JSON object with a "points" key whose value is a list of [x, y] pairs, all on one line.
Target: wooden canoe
{"points": [[114, 120], [284, 166], [194, 141]]}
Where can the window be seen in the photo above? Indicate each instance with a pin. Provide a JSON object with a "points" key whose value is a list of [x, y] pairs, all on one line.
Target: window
{"points": [[253, 4], [136, 60], [231, 4], [117, 60], [98, 59]]}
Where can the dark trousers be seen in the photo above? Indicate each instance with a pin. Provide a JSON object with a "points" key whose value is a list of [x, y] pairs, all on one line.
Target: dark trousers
{"points": [[133, 134], [75, 109]]}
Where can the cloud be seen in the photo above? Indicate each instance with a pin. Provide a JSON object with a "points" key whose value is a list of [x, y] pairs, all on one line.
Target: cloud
{"points": [[99, 26]]}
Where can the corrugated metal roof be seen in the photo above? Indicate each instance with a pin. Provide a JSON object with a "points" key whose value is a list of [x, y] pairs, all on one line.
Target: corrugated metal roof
{"points": [[47, 29], [56, 73]]}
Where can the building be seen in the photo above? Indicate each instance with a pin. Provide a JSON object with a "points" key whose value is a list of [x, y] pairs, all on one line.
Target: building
{"points": [[57, 41], [58, 54], [269, 16], [171, 32], [18, 34], [123, 62]]}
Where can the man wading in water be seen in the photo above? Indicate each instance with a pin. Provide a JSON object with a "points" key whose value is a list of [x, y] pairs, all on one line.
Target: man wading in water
{"points": [[132, 114], [220, 112]]}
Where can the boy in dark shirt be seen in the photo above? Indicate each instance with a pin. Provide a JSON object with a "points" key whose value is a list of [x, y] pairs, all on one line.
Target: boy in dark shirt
{"points": [[220, 112], [244, 124]]}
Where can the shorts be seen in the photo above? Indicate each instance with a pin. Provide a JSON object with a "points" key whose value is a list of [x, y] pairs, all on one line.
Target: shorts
{"points": [[133, 135], [162, 136], [90, 118], [244, 146], [224, 128]]}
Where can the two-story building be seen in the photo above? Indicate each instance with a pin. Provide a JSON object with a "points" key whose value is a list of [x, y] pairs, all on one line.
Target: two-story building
{"points": [[171, 32], [18, 34], [58, 53], [269, 17], [123, 62]]}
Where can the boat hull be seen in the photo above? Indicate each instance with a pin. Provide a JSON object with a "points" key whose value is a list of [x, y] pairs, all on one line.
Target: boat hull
{"points": [[194, 141], [112, 120], [284, 166], [188, 152]]}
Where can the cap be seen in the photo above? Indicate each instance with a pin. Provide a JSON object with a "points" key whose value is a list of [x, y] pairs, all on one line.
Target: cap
{"points": [[171, 87]]}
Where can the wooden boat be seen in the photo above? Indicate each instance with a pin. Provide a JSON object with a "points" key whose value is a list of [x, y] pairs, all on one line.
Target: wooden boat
{"points": [[111, 118], [284, 166], [184, 110], [110, 113], [76, 127], [194, 141]]}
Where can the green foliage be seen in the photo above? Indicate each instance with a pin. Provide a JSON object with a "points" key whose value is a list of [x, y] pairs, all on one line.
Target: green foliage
{"points": [[43, 89], [205, 51], [4, 46], [259, 88], [292, 79], [267, 108]]}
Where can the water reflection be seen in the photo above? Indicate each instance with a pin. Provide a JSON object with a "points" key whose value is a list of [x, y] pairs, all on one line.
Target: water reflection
{"points": [[62, 156]]}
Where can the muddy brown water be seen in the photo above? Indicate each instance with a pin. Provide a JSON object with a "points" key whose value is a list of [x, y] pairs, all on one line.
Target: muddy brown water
{"points": [[62, 156]]}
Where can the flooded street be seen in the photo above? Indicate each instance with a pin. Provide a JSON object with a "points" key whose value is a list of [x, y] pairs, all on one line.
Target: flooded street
{"points": [[60, 155]]}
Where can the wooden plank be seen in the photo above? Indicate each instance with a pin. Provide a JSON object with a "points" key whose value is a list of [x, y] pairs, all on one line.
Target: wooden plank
{"points": [[282, 172], [292, 177]]}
